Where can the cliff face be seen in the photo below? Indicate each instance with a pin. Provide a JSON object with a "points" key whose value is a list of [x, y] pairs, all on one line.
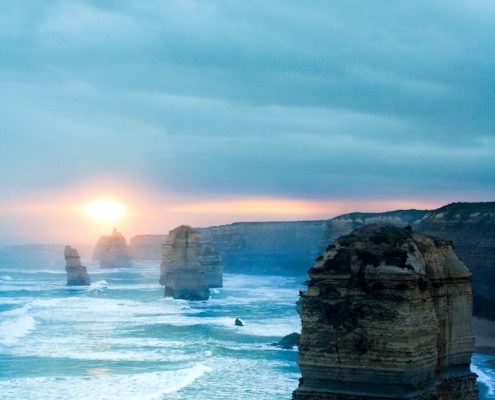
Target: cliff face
{"points": [[387, 315], [266, 247], [112, 251], [147, 247], [77, 274], [471, 227], [183, 271]]}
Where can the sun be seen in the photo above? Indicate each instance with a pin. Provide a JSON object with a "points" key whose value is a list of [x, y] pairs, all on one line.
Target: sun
{"points": [[104, 210]]}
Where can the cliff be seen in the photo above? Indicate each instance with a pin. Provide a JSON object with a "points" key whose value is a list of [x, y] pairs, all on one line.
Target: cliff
{"points": [[387, 315], [471, 227], [146, 247], [182, 271], [112, 251], [266, 247], [346, 223], [77, 274]]}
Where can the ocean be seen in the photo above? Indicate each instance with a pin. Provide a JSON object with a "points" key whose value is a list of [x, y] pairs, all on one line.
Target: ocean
{"points": [[121, 339]]}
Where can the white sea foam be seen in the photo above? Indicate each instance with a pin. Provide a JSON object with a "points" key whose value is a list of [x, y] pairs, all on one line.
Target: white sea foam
{"points": [[104, 385], [6, 278], [12, 330], [486, 379]]}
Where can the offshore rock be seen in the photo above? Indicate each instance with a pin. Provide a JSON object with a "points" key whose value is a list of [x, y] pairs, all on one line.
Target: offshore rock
{"points": [[112, 251], [238, 322], [387, 315], [181, 270], [289, 341], [77, 274]]}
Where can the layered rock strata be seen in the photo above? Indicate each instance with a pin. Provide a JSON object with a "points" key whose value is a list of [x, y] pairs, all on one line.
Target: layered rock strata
{"points": [[387, 315], [112, 251], [77, 274], [182, 271]]}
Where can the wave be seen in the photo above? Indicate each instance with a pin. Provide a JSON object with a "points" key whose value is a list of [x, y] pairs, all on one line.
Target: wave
{"points": [[12, 330], [486, 378], [6, 278], [102, 384]]}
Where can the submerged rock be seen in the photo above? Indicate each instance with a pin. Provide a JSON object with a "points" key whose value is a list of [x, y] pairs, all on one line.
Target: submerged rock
{"points": [[289, 341], [112, 251], [387, 315], [181, 270], [238, 322], [77, 274]]}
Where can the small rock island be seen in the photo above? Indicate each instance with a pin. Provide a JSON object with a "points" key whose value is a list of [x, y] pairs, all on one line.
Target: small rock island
{"points": [[77, 274], [112, 251], [183, 271], [387, 315]]}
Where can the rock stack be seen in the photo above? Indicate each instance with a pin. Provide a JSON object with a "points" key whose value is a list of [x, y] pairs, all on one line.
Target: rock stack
{"points": [[387, 315], [189, 266], [77, 274], [112, 251]]}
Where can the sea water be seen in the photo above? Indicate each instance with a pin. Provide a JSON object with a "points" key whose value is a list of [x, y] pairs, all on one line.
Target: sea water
{"points": [[121, 339]]}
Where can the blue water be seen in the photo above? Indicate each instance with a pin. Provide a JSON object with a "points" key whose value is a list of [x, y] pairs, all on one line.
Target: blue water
{"points": [[120, 339]]}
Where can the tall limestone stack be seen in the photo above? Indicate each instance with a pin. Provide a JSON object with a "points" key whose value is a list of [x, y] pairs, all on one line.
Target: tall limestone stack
{"points": [[212, 263], [112, 251], [183, 272], [387, 315], [77, 274]]}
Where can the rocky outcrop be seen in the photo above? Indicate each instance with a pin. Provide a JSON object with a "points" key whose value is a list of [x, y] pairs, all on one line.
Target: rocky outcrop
{"points": [[181, 270], [387, 315], [267, 247], [147, 247], [77, 274], [289, 341], [471, 227], [112, 251]]}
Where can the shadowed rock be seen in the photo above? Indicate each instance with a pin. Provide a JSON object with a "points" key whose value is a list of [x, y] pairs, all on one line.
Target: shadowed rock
{"points": [[112, 251], [77, 274], [289, 341], [387, 315]]}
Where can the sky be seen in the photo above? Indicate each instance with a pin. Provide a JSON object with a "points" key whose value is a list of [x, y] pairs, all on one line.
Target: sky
{"points": [[212, 112]]}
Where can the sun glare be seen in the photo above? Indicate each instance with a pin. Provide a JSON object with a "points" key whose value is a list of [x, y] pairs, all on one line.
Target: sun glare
{"points": [[104, 210]]}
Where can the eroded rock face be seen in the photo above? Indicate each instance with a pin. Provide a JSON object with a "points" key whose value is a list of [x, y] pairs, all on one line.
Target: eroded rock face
{"points": [[387, 315], [184, 271], [77, 274], [112, 251]]}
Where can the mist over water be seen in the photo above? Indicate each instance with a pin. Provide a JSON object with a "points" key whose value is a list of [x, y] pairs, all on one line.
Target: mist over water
{"points": [[120, 339]]}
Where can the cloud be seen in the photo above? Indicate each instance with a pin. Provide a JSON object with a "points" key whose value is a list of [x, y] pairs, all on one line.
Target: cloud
{"points": [[350, 100]]}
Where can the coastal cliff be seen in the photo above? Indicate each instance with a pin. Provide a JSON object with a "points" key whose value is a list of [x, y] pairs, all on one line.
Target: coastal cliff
{"points": [[387, 315], [146, 247], [266, 247], [77, 274], [112, 251], [181, 271], [471, 227]]}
